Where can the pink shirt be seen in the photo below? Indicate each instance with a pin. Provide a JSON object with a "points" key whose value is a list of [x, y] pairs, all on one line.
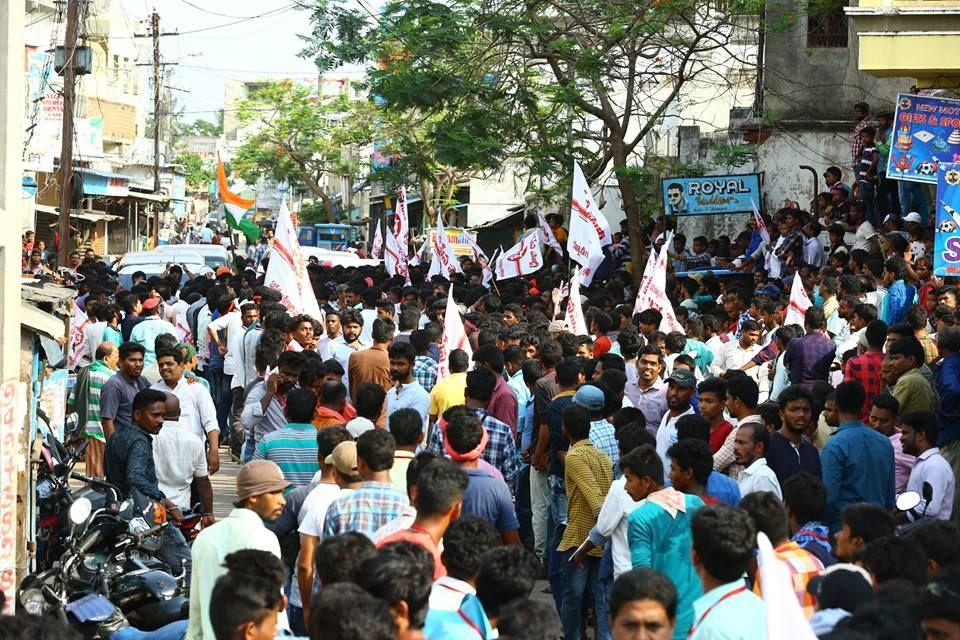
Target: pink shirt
{"points": [[902, 464], [503, 405]]}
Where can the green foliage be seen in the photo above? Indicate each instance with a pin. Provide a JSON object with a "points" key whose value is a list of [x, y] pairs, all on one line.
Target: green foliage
{"points": [[313, 213], [201, 127], [730, 157], [199, 174]]}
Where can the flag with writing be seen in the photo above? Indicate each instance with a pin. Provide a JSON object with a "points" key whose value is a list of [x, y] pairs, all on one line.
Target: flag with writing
{"points": [[395, 256], [481, 257], [78, 342], [653, 289], [376, 249], [785, 618], [443, 260], [589, 229], [287, 271], [454, 337], [521, 259], [799, 303], [761, 226], [548, 236], [574, 314]]}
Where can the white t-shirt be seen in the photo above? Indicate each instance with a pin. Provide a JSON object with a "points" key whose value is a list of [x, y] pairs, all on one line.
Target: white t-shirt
{"points": [[861, 239], [233, 323], [667, 434], [612, 523], [179, 457]]}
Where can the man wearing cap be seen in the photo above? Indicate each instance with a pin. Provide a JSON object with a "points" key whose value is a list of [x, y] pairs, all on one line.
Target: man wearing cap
{"points": [[681, 386], [260, 486], [145, 334], [839, 591], [593, 398]]}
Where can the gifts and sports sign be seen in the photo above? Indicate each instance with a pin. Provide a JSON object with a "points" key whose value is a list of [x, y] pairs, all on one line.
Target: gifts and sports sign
{"points": [[946, 242], [926, 134], [709, 195]]}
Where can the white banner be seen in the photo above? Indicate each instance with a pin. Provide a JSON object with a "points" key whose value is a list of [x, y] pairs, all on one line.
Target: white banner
{"points": [[443, 261], [287, 271], [417, 258], [481, 257], [395, 257], [652, 293], [521, 259], [799, 303], [574, 314], [761, 227], [454, 337], [785, 618], [12, 463], [78, 343], [589, 229], [548, 236], [376, 249]]}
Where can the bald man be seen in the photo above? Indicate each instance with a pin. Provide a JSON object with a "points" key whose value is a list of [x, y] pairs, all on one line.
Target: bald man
{"points": [[181, 461]]}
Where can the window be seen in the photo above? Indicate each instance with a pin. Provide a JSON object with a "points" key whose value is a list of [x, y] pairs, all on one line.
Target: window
{"points": [[827, 24]]}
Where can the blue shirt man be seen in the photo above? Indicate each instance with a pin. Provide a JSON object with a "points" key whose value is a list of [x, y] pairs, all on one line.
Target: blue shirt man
{"points": [[857, 461]]}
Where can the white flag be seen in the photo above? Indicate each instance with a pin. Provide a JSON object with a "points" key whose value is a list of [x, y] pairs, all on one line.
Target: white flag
{"points": [[287, 271], [417, 257], [761, 227], [653, 290], [481, 257], [376, 249], [574, 315], [521, 259], [443, 261], [454, 337], [589, 229], [785, 618], [395, 256], [548, 236], [799, 303], [78, 342]]}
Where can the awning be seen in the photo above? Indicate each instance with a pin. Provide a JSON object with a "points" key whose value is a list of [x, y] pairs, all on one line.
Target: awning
{"points": [[151, 197], [42, 322], [88, 215], [103, 183]]}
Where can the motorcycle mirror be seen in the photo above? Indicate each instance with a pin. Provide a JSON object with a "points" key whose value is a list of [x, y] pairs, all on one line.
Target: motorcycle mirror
{"points": [[908, 500], [80, 510]]}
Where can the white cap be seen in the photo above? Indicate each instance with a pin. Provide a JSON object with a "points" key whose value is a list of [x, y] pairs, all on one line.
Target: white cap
{"points": [[913, 216]]}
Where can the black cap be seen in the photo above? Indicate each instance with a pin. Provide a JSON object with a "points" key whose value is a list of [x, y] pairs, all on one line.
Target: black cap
{"points": [[841, 588]]}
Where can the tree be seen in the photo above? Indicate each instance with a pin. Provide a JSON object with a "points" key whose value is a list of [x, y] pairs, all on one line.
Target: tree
{"points": [[558, 80], [199, 174], [201, 127], [298, 137]]}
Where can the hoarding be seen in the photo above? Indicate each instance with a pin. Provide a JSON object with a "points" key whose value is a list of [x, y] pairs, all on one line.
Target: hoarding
{"points": [[709, 195]]}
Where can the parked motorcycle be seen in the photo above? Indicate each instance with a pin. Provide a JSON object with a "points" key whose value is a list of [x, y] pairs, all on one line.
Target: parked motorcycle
{"points": [[109, 563]]}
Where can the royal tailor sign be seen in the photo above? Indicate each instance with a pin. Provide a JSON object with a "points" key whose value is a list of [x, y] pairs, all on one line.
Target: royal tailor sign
{"points": [[946, 243], [926, 133], [709, 195]]}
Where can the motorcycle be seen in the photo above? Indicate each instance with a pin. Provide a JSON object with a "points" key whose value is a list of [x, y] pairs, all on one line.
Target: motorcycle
{"points": [[55, 496], [908, 501], [107, 579]]}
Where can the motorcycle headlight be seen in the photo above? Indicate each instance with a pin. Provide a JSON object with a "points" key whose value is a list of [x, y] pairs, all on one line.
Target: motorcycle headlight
{"points": [[32, 601], [80, 510]]}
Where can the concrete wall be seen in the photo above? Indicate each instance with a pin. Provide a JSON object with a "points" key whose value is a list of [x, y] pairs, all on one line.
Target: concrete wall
{"points": [[801, 82], [780, 156]]}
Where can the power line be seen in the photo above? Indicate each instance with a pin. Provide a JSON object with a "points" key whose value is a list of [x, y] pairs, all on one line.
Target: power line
{"points": [[272, 12], [214, 13]]}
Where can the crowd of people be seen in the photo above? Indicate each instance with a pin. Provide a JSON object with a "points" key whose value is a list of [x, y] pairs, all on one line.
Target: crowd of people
{"points": [[384, 496]]}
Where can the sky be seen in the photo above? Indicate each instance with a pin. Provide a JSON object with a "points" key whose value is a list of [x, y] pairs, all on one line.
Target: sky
{"points": [[262, 47]]}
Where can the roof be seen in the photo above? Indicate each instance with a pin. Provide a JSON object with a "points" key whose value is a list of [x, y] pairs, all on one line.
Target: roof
{"points": [[90, 215], [511, 218], [51, 293], [42, 322], [101, 173], [149, 196]]}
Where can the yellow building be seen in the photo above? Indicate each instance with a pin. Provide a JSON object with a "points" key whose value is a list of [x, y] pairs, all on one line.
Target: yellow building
{"points": [[913, 39]]}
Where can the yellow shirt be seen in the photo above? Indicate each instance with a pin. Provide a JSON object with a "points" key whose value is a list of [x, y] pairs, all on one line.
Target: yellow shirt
{"points": [[447, 393], [588, 474]]}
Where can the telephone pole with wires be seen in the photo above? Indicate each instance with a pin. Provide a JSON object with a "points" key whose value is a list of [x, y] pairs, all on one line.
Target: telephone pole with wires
{"points": [[66, 149], [157, 65]]}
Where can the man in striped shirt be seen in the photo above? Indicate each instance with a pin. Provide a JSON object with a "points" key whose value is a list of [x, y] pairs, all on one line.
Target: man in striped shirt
{"points": [[293, 447]]}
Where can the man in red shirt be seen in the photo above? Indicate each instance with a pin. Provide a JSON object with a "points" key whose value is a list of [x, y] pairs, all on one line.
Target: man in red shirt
{"points": [[438, 498], [865, 368], [503, 403]]}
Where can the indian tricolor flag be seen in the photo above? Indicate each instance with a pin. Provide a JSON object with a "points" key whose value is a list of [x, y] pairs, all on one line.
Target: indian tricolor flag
{"points": [[235, 207]]}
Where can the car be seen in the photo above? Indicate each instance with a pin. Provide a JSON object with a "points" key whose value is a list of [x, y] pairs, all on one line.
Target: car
{"points": [[330, 258], [161, 257], [155, 268], [214, 255]]}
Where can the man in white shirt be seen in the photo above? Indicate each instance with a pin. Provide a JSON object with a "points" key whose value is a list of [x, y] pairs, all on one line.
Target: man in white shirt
{"points": [[919, 431], [736, 353], [750, 450], [681, 386], [235, 322], [407, 393], [180, 460], [333, 335], [197, 413], [260, 486]]}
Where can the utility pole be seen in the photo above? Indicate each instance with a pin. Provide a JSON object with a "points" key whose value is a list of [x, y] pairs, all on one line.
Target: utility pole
{"points": [[66, 150], [155, 32]]}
